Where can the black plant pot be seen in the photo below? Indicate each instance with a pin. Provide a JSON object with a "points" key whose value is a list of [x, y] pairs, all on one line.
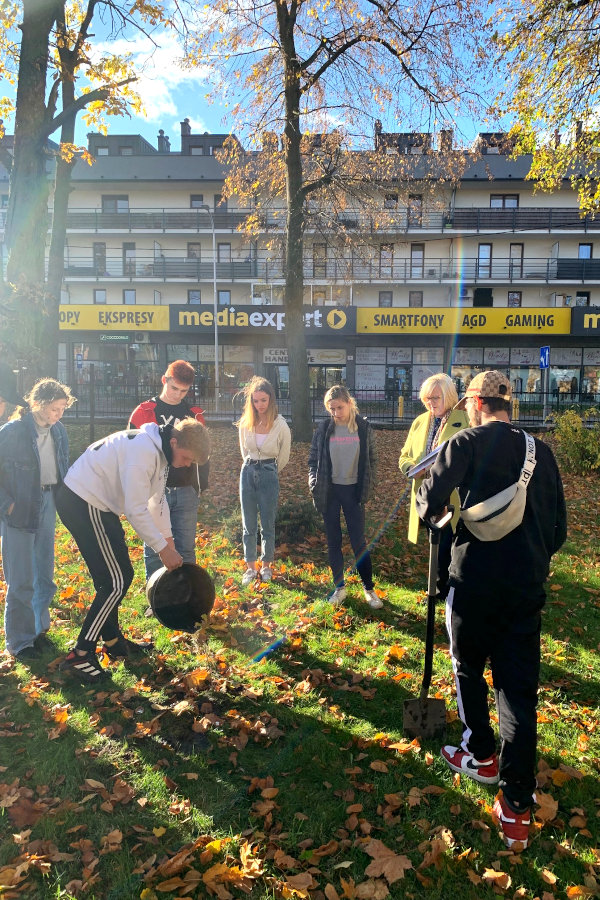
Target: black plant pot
{"points": [[180, 598]]}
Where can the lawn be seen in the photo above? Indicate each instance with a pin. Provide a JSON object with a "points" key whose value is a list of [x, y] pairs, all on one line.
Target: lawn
{"points": [[204, 774]]}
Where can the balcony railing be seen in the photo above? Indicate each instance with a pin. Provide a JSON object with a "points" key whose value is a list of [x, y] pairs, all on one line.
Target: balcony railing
{"points": [[244, 267], [398, 220]]}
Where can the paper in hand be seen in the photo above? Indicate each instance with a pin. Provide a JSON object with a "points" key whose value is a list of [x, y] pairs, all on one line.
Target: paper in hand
{"points": [[425, 463]]}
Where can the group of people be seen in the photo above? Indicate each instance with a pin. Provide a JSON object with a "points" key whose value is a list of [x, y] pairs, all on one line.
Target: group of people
{"points": [[509, 519]]}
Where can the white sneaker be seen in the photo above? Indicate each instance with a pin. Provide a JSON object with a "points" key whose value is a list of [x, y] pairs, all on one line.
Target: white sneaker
{"points": [[248, 577], [338, 596], [266, 573], [372, 599]]}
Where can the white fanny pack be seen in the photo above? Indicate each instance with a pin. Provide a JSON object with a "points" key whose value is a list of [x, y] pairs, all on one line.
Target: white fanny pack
{"points": [[495, 517]]}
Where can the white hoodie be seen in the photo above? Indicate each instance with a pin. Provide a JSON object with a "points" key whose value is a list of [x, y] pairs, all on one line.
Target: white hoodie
{"points": [[125, 473]]}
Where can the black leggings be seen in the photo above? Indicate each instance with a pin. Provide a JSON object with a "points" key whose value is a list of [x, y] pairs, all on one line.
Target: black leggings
{"points": [[101, 541], [343, 497]]}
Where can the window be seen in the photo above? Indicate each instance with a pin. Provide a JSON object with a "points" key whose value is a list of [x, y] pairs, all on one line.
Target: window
{"points": [[193, 250], [128, 258], [224, 253], [196, 201], [319, 260], [514, 298], [194, 297], [484, 261], [415, 298], [100, 296], [390, 201], [224, 298], [115, 203], [582, 298], [516, 261], [586, 251], [385, 298], [129, 296], [415, 211], [319, 297], [196, 151], [102, 151], [4, 201], [504, 201], [99, 251], [386, 260], [417, 258], [220, 203], [125, 151]]}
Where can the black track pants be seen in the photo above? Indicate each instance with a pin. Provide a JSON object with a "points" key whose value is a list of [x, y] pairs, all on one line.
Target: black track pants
{"points": [[101, 541], [482, 627]]}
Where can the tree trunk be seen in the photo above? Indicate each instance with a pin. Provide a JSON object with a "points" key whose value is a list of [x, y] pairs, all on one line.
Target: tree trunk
{"points": [[294, 251], [27, 213]]}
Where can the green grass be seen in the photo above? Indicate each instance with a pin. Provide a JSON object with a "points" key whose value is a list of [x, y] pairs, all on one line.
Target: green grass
{"points": [[104, 788]]}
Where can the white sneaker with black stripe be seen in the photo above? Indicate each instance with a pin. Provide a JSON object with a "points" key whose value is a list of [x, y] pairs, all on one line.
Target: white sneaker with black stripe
{"points": [[85, 668]]}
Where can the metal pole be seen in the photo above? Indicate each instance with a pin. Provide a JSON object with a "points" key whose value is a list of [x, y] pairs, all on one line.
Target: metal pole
{"points": [[215, 304]]}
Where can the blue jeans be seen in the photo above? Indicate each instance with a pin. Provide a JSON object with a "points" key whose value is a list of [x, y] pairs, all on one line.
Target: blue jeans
{"points": [[28, 562], [183, 508], [259, 494]]}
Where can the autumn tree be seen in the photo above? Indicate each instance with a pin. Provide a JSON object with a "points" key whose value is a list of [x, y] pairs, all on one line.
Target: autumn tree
{"points": [[549, 50], [54, 53], [297, 69]]}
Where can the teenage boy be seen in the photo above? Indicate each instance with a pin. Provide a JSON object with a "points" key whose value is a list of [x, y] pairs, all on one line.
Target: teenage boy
{"points": [[184, 484], [123, 474]]}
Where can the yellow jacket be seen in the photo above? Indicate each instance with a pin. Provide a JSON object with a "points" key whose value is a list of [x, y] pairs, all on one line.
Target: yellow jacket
{"points": [[414, 450]]}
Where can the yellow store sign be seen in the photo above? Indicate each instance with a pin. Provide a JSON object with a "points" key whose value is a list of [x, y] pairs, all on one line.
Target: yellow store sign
{"points": [[114, 318], [458, 320]]}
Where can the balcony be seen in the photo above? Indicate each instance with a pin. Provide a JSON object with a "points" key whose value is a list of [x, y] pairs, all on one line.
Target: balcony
{"points": [[386, 221], [244, 267]]}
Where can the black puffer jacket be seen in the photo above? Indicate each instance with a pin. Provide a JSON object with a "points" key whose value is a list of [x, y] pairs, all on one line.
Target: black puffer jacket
{"points": [[319, 462]]}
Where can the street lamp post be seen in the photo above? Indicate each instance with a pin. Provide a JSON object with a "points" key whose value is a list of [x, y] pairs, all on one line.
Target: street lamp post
{"points": [[215, 305]]}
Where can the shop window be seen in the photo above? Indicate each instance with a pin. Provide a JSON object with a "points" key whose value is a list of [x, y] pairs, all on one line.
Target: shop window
{"points": [[385, 298], [224, 298], [193, 250], [415, 211], [129, 296], [99, 295], [115, 203], [417, 259], [415, 298], [194, 297], [196, 201], [504, 201], [514, 298]]}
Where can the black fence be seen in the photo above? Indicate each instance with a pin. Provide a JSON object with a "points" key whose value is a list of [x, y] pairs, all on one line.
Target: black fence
{"points": [[99, 401]]}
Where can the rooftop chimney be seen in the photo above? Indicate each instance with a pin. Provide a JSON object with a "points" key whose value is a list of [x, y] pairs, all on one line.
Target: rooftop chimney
{"points": [[446, 140], [164, 144], [186, 128]]}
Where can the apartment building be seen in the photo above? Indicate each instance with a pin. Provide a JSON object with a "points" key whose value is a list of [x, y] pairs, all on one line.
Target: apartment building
{"points": [[469, 277]]}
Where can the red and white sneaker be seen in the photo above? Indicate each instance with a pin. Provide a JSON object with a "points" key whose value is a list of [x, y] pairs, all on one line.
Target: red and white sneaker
{"points": [[482, 770], [514, 824]]}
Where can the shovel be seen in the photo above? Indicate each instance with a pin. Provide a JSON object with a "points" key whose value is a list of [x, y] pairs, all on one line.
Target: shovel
{"points": [[426, 717]]}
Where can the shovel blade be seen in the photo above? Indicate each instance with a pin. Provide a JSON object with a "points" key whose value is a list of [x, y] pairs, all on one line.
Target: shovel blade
{"points": [[424, 718]]}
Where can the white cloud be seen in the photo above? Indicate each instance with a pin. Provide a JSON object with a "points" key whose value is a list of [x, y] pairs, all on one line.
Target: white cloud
{"points": [[160, 74]]}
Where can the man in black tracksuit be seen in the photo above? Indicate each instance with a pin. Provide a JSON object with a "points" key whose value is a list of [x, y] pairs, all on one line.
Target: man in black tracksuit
{"points": [[493, 609]]}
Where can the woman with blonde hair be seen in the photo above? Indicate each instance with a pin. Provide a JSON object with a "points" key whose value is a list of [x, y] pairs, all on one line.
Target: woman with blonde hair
{"points": [[34, 458], [265, 442], [341, 470], [428, 431]]}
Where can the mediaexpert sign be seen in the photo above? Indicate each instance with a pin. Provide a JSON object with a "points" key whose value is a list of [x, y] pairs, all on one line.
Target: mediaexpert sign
{"points": [[585, 320], [102, 317], [461, 320], [263, 319]]}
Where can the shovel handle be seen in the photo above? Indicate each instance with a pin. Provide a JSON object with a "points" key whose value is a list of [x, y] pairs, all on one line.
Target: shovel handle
{"points": [[428, 664]]}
